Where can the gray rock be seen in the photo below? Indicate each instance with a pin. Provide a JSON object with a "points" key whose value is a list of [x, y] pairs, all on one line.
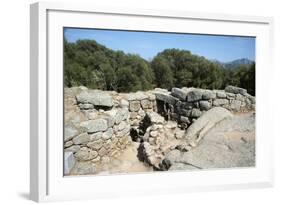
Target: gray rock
{"points": [[107, 134], [208, 94], [221, 94], [69, 162], [68, 143], [166, 97], [86, 106], [81, 139], [194, 95], [74, 149], [156, 118], [95, 136], [85, 154], [185, 119], [240, 97], [69, 132], [136, 96], [235, 90], [84, 168], [122, 114], [205, 105], [134, 106], [203, 124], [102, 152], [97, 98], [195, 113], [95, 145], [220, 102], [230, 95], [179, 93], [153, 133], [96, 125], [124, 103], [145, 104], [235, 105]]}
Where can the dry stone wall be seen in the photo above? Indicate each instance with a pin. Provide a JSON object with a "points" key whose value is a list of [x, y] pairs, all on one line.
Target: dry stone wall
{"points": [[99, 125]]}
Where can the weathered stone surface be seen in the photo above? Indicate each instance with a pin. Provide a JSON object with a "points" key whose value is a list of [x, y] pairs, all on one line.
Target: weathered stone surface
{"points": [[74, 148], [97, 98], [86, 106], [156, 118], [166, 97], [235, 105], [69, 162], [230, 95], [205, 105], [69, 132], [95, 145], [179, 93], [68, 143], [220, 102], [133, 115], [145, 104], [84, 168], [124, 103], [136, 96], [221, 94], [184, 119], [96, 125], [102, 152], [95, 136], [208, 94], [85, 154], [122, 126], [210, 118], [235, 90], [81, 139], [153, 133], [240, 97], [121, 114], [195, 113], [194, 95], [107, 134], [134, 106]]}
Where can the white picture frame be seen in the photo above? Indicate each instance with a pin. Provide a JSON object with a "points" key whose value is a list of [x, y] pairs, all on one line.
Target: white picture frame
{"points": [[47, 182]]}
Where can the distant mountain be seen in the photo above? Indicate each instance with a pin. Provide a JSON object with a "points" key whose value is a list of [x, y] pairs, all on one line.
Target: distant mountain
{"points": [[235, 63]]}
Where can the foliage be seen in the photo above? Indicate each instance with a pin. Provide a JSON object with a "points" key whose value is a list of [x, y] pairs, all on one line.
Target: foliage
{"points": [[93, 65]]}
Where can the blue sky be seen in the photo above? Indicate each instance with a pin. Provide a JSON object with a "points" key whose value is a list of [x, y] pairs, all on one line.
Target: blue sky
{"points": [[148, 44]]}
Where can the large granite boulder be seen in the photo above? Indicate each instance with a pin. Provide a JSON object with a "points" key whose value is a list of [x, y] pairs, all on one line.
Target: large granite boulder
{"points": [[200, 127], [235, 90]]}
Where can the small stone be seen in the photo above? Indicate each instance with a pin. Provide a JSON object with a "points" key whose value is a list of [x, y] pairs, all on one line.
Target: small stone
{"points": [[95, 160], [235, 90], [220, 102], [205, 105], [171, 125], [107, 134], [235, 105], [195, 113], [68, 144], [95, 145], [124, 103], [156, 118], [95, 136], [134, 106], [179, 93], [133, 115], [74, 149], [105, 160], [221, 94], [69, 132], [121, 126], [153, 133], [81, 139], [102, 152], [240, 97], [208, 94], [86, 106], [141, 113], [145, 104], [85, 154], [194, 95], [185, 119]]}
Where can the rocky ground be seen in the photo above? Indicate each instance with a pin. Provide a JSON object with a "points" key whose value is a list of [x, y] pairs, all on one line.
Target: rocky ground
{"points": [[230, 144]]}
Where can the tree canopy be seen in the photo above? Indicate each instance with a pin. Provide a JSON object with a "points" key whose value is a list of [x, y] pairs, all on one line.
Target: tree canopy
{"points": [[93, 65]]}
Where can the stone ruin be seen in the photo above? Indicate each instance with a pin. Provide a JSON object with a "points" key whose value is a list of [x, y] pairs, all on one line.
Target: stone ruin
{"points": [[99, 125]]}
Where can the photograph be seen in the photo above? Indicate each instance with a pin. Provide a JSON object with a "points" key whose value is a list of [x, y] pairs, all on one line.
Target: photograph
{"points": [[149, 101]]}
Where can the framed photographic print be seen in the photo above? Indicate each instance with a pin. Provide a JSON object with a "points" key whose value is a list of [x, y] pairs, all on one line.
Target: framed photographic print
{"points": [[130, 102]]}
